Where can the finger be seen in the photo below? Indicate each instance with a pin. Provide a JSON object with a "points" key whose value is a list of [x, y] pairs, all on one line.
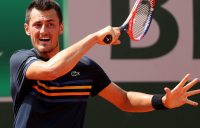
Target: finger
{"points": [[191, 84], [106, 32], [193, 103], [194, 92], [116, 42], [167, 91], [116, 34], [184, 80], [117, 31]]}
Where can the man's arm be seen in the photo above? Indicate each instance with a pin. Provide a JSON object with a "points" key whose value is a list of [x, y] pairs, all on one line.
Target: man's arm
{"points": [[127, 101], [141, 102], [66, 59]]}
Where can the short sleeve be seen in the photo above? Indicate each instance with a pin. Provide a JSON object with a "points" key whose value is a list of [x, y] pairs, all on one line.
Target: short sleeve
{"points": [[19, 62], [101, 80]]}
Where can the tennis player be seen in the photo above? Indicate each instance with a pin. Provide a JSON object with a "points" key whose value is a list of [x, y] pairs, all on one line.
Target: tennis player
{"points": [[51, 87]]}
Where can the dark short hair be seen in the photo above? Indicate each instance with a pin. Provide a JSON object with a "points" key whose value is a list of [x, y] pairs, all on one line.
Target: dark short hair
{"points": [[44, 5]]}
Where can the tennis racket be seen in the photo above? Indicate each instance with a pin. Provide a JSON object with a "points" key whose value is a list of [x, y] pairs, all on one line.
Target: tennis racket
{"points": [[138, 22]]}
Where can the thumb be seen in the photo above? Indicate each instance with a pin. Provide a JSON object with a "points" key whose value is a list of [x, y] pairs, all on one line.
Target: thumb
{"points": [[167, 91]]}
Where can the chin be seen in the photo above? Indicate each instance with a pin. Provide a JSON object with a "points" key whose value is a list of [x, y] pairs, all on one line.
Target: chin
{"points": [[44, 50]]}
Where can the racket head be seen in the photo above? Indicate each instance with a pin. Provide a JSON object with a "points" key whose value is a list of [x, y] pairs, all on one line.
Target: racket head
{"points": [[140, 19]]}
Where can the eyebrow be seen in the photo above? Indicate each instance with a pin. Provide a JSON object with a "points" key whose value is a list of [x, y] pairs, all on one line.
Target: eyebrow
{"points": [[50, 20]]}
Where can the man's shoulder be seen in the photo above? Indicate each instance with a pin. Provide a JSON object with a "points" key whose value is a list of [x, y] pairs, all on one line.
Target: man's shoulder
{"points": [[87, 61], [22, 55], [90, 63], [23, 52]]}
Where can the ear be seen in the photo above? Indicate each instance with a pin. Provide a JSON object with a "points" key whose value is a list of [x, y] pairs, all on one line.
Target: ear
{"points": [[61, 29], [26, 28]]}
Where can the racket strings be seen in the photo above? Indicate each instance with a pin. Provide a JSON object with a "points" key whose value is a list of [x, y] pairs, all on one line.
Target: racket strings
{"points": [[142, 18]]}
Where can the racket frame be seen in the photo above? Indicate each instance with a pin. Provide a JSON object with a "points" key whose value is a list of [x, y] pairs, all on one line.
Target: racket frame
{"points": [[128, 23]]}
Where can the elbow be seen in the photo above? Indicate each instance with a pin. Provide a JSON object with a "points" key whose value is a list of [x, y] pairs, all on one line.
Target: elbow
{"points": [[51, 76], [43, 71], [50, 73]]}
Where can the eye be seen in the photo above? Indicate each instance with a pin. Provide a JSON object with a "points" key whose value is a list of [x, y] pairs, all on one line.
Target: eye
{"points": [[37, 25], [50, 25]]}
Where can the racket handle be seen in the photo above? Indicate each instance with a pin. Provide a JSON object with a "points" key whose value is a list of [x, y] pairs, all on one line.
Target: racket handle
{"points": [[123, 28], [108, 39]]}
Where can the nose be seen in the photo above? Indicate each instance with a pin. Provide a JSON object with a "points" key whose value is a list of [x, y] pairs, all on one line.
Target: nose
{"points": [[43, 29]]}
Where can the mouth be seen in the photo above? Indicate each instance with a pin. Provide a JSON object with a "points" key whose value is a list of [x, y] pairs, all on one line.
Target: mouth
{"points": [[44, 39]]}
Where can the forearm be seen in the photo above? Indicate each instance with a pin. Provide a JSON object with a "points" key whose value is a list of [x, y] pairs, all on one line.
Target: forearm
{"points": [[131, 101], [66, 59], [139, 102]]}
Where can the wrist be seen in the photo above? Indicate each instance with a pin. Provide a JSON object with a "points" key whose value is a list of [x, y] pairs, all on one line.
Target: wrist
{"points": [[158, 102]]}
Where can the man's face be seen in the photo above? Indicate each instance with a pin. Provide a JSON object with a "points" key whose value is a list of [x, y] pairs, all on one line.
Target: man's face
{"points": [[44, 29]]}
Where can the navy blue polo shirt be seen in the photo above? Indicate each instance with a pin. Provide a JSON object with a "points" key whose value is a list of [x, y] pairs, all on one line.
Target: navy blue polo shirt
{"points": [[60, 103]]}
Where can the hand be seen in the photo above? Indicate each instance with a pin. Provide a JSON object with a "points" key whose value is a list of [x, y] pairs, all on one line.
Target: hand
{"points": [[113, 31], [180, 94]]}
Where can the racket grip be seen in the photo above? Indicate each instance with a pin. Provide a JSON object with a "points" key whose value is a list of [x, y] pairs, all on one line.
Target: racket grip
{"points": [[108, 39]]}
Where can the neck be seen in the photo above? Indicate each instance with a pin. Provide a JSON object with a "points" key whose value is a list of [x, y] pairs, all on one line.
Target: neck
{"points": [[48, 55]]}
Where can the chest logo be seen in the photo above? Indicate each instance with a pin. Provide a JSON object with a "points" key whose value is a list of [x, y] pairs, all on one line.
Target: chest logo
{"points": [[75, 73]]}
